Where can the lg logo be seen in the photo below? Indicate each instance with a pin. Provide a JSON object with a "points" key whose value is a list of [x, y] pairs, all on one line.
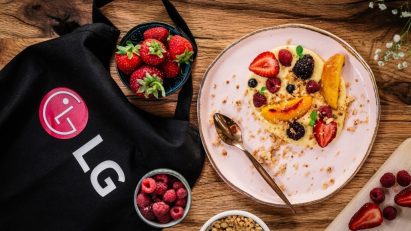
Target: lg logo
{"points": [[63, 115]]}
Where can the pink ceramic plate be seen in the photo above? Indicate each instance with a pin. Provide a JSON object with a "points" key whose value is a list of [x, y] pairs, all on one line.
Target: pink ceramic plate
{"points": [[306, 175]]}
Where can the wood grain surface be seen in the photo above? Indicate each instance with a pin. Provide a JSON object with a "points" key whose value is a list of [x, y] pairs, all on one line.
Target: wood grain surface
{"points": [[216, 24]]}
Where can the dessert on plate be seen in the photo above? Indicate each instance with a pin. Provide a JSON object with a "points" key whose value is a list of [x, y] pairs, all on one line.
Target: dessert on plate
{"points": [[298, 96]]}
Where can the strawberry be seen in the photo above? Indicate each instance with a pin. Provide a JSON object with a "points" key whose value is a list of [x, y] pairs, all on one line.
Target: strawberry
{"points": [[265, 65], [369, 216], [160, 33], [153, 52], [180, 49], [324, 133], [170, 68], [147, 81], [127, 57], [403, 198]]}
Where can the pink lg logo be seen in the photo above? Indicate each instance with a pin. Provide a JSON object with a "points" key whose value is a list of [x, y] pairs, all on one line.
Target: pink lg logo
{"points": [[63, 113]]}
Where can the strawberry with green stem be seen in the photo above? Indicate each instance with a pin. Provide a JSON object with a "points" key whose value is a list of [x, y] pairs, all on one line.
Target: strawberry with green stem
{"points": [[180, 49], [153, 52], [147, 81], [127, 57]]}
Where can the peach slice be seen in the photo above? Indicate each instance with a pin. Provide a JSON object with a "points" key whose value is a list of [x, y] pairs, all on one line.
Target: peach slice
{"points": [[287, 110], [331, 78]]}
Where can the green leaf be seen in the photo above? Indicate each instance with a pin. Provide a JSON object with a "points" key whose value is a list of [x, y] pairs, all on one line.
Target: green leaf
{"points": [[169, 36], [262, 90], [299, 49], [313, 118]]}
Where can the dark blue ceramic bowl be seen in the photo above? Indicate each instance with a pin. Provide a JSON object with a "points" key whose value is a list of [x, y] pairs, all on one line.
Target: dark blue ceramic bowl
{"points": [[135, 35]]}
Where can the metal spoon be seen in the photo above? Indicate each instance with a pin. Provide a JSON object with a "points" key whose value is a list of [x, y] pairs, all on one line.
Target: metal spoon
{"points": [[230, 133]]}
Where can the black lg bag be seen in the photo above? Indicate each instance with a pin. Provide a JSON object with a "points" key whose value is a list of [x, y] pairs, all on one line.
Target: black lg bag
{"points": [[72, 147]]}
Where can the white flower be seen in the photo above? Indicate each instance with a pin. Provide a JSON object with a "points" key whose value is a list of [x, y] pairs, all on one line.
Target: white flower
{"points": [[376, 57], [404, 64], [377, 51], [401, 54], [396, 38], [394, 12], [395, 56], [405, 14], [382, 6], [388, 45], [399, 66], [380, 63], [371, 5]]}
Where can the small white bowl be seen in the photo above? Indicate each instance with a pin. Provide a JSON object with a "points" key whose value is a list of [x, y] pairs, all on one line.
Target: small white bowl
{"points": [[234, 213]]}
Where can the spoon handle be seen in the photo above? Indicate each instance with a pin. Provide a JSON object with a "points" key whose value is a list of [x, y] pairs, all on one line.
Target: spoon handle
{"points": [[268, 179]]}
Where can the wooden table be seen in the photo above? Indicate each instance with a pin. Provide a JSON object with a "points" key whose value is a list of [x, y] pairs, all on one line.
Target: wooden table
{"points": [[216, 24]]}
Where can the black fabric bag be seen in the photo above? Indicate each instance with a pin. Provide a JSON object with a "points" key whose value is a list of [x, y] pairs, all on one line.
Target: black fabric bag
{"points": [[72, 147]]}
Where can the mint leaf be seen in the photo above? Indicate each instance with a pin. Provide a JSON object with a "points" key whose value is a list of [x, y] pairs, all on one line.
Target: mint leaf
{"points": [[313, 118], [262, 90], [299, 49]]}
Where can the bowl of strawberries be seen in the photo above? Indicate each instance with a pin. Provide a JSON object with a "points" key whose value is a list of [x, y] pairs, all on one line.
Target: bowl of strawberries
{"points": [[154, 59], [162, 198]]}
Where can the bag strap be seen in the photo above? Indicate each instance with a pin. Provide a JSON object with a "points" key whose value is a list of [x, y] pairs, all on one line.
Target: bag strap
{"points": [[182, 111]]}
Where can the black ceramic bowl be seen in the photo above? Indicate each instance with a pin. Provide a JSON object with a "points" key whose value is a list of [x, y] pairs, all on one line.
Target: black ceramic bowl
{"points": [[135, 35]]}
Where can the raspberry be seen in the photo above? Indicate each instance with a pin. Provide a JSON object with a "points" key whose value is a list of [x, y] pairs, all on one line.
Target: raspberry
{"points": [[160, 209], [273, 84], [177, 185], [377, 195], [176, 212], [285, 57], [164, 219], [181, 193], [162, 178], [312, 86], [387, 180], [161, 188], [147, 213], [148, 185], [390, 213], [181, 202], [259, 100], [325, 112], [169, 196], [143, 200], [304, 67], [403, 178]]}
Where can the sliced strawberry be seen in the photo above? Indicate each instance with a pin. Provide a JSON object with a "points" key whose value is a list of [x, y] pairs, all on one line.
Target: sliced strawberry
{"points": [[369, 216], [324, 133], [265, 65], [403, 198]]}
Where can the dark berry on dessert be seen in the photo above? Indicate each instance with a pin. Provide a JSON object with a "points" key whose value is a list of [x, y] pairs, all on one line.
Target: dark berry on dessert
{"points": [[387, 180], [295, 131], [252, 83], [285, 57], [273, 84], [377, 195], [403, 178], [259, 100], [304, 67], [290, 88], [325, 112], [389, 213], [312, 86]]}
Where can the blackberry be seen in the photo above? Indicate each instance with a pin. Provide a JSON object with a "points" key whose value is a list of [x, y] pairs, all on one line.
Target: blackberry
{"points": [[304, 67], [290, 88], [296, 131], [252, 83]]}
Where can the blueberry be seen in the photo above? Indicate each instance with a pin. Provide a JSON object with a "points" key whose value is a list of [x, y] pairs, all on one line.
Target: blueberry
{"points": [[290, 88], [252, 83], [295, 131]]}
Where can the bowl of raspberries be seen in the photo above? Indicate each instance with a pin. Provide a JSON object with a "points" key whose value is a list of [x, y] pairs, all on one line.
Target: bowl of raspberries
{"points": [[162, 198], [154, 59]]}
